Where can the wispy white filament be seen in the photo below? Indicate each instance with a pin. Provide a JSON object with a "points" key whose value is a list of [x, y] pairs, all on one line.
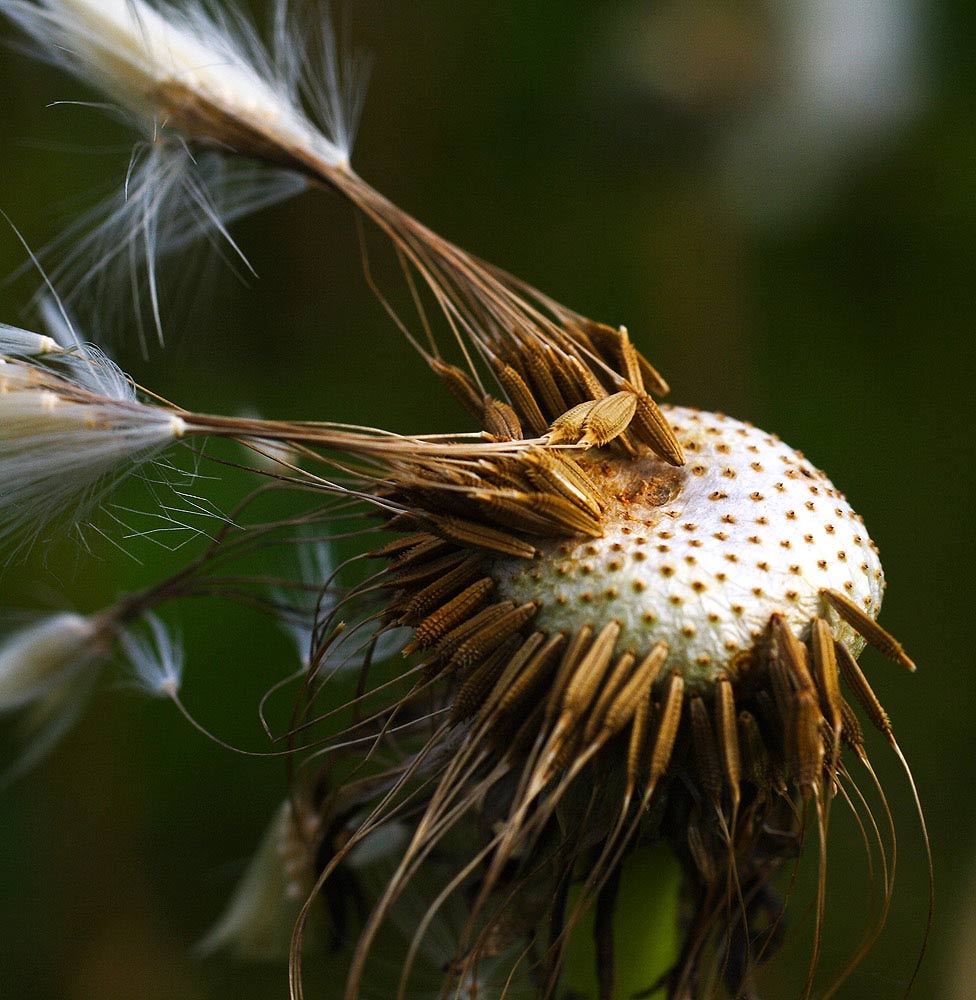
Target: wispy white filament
{"points": [[154, 657], [65, 442], [298, 618], [171, 199], [44, 722], [175, 70]]}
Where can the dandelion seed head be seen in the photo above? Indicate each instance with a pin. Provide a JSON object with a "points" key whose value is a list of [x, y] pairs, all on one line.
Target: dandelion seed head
{"points": [[671, 623], [632, 622]]}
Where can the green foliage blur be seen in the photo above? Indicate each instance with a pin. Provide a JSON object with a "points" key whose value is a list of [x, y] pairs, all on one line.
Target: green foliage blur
{"points": [[782, 211]]}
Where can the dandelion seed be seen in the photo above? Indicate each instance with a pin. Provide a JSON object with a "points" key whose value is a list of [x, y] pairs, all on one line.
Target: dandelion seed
{"points": [[182, 62], [48, 671]]}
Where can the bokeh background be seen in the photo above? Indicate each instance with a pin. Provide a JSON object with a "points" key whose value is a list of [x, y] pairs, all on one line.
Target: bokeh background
{"points": [[778, 199]]}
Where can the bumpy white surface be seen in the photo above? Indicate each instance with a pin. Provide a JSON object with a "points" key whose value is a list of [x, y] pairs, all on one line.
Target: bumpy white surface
{"points": [[701, 556]]}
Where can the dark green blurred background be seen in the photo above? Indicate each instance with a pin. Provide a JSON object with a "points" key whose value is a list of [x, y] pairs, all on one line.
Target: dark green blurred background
{"points": [[778, 199]]}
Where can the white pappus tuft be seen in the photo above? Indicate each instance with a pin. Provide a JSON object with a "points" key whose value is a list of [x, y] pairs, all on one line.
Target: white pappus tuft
{"points": [[47, 672], [44, 722], [155, 657], [153, 57], [19, 343], [195, 80], [44, 656], [67, 437]]}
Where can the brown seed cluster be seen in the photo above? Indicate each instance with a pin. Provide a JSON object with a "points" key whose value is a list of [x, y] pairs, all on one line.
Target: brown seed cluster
{"points": [[699, 647]]}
